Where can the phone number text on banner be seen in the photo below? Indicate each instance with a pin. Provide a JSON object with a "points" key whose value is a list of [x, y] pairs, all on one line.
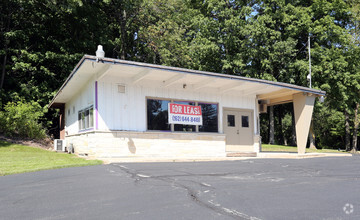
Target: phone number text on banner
{"points": [[184, 114]]}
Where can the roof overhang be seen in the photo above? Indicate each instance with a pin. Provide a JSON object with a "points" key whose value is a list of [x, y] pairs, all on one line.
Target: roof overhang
{"points": [[91, 67]]}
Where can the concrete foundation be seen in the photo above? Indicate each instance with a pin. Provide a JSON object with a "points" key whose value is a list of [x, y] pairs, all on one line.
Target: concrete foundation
{"points": [[113, 144]]}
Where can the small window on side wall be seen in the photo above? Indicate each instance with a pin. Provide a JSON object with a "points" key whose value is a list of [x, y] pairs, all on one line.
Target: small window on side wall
{"points": [[85, 118], [91, 118], [79, 120]]}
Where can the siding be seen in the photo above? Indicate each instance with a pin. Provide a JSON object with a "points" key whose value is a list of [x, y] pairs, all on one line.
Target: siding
{"points": [[118, 111], [81, 100]]}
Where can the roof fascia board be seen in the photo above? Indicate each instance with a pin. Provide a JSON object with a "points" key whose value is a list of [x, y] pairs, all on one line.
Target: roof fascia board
{"points": [[205, 73], [181, 70]]}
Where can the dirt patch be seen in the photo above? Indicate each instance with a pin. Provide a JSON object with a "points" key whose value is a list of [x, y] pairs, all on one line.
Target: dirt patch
{"points": [[44, 144]]}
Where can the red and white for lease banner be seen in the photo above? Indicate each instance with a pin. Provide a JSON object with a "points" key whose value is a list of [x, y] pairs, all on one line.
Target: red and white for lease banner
{"points": [[184, 114]]}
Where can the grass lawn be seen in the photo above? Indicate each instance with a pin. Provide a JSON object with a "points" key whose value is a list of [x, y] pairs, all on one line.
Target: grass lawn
{"points": [[281, 148], [16, 158]]}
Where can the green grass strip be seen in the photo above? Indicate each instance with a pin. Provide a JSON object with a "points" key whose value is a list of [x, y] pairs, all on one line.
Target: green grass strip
{"points": [[281, 148], [15, 158]]}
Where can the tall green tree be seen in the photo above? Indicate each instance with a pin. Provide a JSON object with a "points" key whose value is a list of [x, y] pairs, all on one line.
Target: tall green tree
{"points": [[123, 23]]}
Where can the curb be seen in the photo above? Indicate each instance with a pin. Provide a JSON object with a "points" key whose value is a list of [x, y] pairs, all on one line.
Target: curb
{"points": [[218, 159]]}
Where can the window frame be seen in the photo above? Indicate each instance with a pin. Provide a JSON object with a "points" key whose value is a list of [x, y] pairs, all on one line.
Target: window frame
{"points": [[172, 126], [147, 117], [217, 117], [85, 120]]}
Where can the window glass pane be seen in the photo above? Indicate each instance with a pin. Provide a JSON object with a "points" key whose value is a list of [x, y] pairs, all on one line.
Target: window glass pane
{"points": [[190, 128], [87, 118], [245, 121], [91, 118], [231, 120], [79, 120], [83, 120], [210, 117], [157, 115]]}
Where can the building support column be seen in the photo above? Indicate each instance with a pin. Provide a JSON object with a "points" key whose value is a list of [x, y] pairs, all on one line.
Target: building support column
{"points": [[62, 121], [303, 109]]}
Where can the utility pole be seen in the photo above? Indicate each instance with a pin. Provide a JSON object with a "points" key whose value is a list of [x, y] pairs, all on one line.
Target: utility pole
{"points": [[309, 76], [311, 132]]}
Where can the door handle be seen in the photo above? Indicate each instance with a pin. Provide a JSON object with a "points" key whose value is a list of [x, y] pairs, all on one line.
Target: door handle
{"points": [[237, 131]]}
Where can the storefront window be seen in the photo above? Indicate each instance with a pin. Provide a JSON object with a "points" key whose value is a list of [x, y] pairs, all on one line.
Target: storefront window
{"points": [[157, 115], [210, 117], [188, 128]]}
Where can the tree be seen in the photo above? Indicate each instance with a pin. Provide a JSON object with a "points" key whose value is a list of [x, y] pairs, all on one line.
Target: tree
{"points": [[42, 41], [354, 67]]}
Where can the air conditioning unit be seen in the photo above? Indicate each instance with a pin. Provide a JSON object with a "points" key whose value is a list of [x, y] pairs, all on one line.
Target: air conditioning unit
{"points": [[262, 108], [59, 145]]}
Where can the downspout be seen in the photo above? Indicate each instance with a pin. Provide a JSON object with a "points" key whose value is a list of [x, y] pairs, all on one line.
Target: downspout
{"points": [[96, 107]]}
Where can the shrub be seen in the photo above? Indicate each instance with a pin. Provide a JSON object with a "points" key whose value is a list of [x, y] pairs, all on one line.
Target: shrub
{"points": [[22, 119]]}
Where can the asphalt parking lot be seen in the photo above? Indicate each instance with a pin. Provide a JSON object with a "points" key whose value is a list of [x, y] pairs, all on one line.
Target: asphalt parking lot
{"points": [[316, 188]]}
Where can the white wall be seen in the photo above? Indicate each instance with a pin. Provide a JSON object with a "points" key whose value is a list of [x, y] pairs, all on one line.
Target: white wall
{"points": [[127, 111], [79, 101]]}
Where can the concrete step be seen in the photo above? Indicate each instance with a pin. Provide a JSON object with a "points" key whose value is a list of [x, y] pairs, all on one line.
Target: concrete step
{"points": [[241, 154]]}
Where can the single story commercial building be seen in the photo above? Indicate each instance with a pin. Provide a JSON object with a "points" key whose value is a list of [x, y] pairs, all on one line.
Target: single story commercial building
{"points": [[118, 108]]}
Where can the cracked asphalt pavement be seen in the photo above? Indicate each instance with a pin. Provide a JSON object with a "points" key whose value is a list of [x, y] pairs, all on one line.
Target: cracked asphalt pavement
{"points": [[316, 188]]}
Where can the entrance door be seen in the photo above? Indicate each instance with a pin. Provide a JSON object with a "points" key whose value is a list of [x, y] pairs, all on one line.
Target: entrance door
{"points": [[238, 127]]}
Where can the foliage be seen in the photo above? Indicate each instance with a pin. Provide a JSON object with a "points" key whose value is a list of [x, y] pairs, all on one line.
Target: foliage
{"points": [[41, 41], [287, 128], [16, 158], [22, 119], [329, 126]]}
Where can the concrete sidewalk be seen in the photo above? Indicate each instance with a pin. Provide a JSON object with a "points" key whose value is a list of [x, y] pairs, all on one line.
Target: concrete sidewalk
{"points": [[261, 155], [290, 155]]}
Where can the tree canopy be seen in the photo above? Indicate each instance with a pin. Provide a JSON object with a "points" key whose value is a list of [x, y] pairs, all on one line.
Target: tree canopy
{"points": [[41, 41]]}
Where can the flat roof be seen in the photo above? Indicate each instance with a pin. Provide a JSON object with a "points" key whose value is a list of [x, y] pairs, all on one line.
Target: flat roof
{"points": [[112, 61]]}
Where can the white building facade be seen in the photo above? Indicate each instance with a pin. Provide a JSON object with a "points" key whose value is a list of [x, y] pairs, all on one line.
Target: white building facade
{"points": [[116, 108]]}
